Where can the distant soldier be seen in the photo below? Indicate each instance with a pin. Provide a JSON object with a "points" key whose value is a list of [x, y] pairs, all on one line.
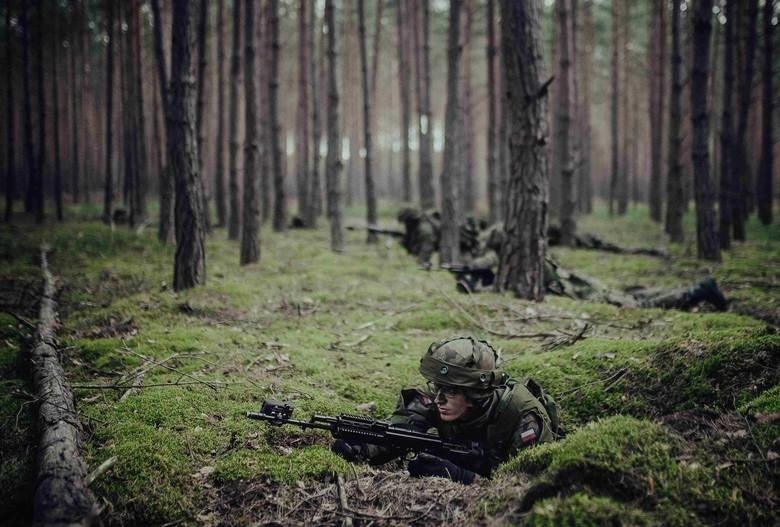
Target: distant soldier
{"points": [[421, 233], [468, 399], [564, 282]]}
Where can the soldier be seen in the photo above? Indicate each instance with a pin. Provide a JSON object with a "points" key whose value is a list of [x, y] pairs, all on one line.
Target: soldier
{"points": [[565, 282], [421, 233], [591, 241], [468, 399]]}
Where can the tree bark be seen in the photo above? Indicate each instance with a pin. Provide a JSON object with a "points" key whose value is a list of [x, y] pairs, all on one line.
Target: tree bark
{"points": [[38, 179], [108, 194], [493, 187], [727, 129], [404, 87], [706, 231], [250, 232], [275, 142], [333, 160], [564, 110], [521, 267], [585, 59], [468, 189], [741, 167], [62, 496], [371, 214], [164, 232], [449, 248], [764, 194], [29, 152], [427, 193], [657, 86], [138, 208], [190, 262], [615, 108], [10, 181], [56, 127], [219, 174], [203, 29], [302, 143], [74, 118], [317, 86], [625, 163], [674, 182], [234, 221]]}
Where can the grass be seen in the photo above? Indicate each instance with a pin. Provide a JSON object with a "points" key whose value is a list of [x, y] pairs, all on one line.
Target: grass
{"points": [[331, 332]]}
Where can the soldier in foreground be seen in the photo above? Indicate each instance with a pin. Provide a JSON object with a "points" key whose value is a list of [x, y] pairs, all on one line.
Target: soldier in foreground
{"points": [[468, 399]]}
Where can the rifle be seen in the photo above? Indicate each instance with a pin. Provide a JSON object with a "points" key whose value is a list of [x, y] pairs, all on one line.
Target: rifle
{"points": [[378, 230], [471, 277], [356, 429]]}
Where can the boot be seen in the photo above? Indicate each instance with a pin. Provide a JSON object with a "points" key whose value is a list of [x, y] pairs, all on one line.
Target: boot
{"points": [[708, 291]]}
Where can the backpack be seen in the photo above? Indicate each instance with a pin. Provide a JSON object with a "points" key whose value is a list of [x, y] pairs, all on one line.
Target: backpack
{"points": [[549, 405]]}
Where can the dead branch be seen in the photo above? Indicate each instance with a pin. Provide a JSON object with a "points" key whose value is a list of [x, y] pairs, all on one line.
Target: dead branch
{"points": [[343, 501]]}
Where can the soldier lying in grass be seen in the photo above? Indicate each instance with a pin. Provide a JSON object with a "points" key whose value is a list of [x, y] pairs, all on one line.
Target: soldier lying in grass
{"points": [[468, 399]]}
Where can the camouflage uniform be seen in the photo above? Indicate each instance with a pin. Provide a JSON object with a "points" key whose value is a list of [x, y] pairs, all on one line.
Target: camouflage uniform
{"points": [[421, 233], [565, 282], [503, 416]]}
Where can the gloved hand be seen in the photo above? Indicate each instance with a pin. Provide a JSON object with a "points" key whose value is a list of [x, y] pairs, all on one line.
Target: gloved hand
{"points": [[428, 465], [347, 451]]}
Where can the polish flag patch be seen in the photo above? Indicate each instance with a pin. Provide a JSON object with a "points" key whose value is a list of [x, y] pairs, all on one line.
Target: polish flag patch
{"points": [[528, 437]]}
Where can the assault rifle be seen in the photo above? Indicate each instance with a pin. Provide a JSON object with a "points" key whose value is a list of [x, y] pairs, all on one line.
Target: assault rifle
{"points": [[470, 278], [357, 429], [377, 230]]}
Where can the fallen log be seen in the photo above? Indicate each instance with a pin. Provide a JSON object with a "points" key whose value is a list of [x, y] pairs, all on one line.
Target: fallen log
{"points": [[62, 496]]}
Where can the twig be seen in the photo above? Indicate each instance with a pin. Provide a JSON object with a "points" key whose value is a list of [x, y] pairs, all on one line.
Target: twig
{"points": [[184, 383], [343, 501], [136, 383], [210, 385], [102, 469], [755, 443], [567, 392], [22, 320]]}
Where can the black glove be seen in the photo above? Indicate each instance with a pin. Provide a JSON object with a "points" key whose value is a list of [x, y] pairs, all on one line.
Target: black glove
{"points": [[427, 465], [347, 451]]}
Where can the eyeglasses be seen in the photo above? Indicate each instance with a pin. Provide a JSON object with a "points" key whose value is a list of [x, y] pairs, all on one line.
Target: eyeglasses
{"points": [[435, 389]]}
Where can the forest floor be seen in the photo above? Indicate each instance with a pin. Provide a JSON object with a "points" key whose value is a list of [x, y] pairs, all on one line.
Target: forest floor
{"points": [[673, 417]]}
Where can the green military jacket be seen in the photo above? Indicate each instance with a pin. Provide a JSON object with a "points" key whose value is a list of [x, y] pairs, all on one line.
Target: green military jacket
{"points": [[496, 426]]}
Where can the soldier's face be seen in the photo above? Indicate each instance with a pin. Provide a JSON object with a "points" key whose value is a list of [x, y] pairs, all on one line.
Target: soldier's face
{"points": [[451, 406]]}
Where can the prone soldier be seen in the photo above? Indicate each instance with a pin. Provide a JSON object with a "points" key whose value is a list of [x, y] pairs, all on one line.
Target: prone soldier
{"points": [[468, 399]]}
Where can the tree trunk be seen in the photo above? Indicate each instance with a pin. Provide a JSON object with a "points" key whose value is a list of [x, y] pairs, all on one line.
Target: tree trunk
{"points": [[493, 187], [675, 205], [138, 209], [585, 59], [317, 86], [521, 267], [741, 167], [10, 182], [706, 231], [564, 110], [727, 129], [38, 180], [264, 132], [275, 142], [333, 160], [449, 248], [764, 194], [405, 91], [108, 195], [468, 188], [302, 133], [625, 162], [234, 221], [203, 29], [371, 214], [190, 264], [164, 232], [615, 108], [74, 118], [657, 59], [427, 193], [219, 174], [250, 232], [29, 153]]}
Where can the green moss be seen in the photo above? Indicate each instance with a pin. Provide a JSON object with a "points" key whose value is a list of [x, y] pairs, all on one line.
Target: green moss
{"points": [[584, 510]]}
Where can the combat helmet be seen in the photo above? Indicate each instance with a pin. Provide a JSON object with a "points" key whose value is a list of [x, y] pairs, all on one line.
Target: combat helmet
{"points": [[463, 362], [408, 214]]}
